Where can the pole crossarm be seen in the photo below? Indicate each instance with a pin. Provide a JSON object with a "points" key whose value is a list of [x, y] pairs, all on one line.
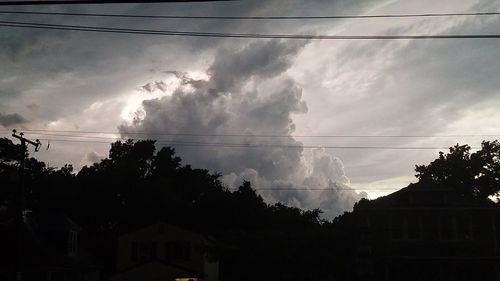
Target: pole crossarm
{"points": [[24, 140]]}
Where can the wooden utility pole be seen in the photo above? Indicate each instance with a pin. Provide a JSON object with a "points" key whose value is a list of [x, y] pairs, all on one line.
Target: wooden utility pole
{"points": [[20, 199]]}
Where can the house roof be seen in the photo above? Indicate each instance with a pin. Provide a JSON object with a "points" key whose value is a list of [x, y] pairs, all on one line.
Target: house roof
{"points": [[176, 266], [127, 229], [427, 196]]}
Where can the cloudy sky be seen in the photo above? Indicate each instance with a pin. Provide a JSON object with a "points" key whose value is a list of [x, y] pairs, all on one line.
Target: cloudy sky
{"points": [[295, 89]]}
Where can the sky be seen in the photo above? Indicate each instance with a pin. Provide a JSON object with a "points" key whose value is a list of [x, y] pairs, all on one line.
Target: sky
{"points": [[128, 84]]}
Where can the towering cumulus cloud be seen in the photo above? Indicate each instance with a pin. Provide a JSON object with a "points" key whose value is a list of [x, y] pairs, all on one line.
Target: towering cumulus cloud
{"points": [[249, 93]]}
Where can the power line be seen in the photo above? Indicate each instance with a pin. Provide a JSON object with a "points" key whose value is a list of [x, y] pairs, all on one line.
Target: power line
{"points": [[352, 189], [234, 145], [253, 17], [250, 145], [238, 35], [72, 2], [74, 136], [357, 190], [91, 139], [323, 189], [156, 133]]}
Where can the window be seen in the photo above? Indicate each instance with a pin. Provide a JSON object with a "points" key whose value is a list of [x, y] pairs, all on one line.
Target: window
{"points": [[72, 242], [397, 227], [141, 251], [447, 227], [414, 229], [463, 228], [406, 228], [365, 221], [178, 251], [134, 251], [455, 227], [364, 266], [57, 276]]}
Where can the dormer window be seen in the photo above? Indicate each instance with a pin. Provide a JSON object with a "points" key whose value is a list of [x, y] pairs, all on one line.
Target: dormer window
{"points": [[72, 242]]}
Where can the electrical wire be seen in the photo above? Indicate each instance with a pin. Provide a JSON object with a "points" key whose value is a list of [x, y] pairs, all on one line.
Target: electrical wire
{"points": [[73, 2], [240, 145], [114, 30], [156, 133], [325, 189], [256, 145], [253, 17]]}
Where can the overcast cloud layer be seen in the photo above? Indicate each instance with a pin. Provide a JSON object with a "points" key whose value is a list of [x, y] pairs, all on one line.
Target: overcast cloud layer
{"points": [[102, 82]]}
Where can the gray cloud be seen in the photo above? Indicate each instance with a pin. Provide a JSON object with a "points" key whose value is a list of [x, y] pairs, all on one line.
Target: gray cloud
{"points": [[66, 72], [248, 92], [85, 81], [260, 60], [8, 120], [433, 87], [91, 158]]}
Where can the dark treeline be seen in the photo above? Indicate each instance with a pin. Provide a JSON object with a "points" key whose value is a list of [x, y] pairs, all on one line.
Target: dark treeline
{"points": [[138, 185]]}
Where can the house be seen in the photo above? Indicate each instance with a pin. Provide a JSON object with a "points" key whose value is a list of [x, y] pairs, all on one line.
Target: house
{"points": [[45, 247], [426, 233], [162, 251]]}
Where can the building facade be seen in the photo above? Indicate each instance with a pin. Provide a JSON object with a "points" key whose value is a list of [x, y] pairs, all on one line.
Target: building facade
{"points": [[45, 247], [426, 233], [163, 251]]}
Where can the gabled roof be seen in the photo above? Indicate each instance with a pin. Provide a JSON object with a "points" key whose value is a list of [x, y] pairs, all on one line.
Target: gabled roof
{"points": [[129, 229], [421, 195], [163, 262]]}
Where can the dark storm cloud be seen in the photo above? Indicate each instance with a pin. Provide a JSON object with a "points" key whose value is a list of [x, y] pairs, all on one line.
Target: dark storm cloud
{"points": [[73, 70], [8, 120], [258, 60]]}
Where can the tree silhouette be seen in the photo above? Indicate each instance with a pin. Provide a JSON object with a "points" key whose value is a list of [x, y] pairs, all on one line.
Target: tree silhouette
{"points": [[139, 184], [474, 175]]}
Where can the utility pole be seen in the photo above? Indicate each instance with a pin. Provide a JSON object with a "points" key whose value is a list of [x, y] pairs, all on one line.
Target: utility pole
{"points": [[20, 199]]}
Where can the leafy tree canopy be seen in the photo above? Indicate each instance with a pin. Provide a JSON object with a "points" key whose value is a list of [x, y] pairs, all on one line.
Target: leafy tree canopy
{"points": [[475, 175]]}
